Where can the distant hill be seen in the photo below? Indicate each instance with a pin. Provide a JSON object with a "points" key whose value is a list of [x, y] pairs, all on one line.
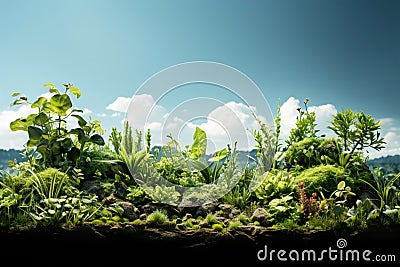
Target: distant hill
{"points": [[389, 164], [10, 154]]}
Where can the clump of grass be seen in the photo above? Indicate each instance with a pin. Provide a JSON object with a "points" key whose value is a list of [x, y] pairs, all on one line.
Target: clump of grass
{"points": [[234, 225], [219, 227], [211, 219], [243, 219], [157, 217]]}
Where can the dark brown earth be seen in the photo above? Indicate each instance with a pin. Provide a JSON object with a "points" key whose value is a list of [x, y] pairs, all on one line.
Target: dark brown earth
{"points": [[140, 245]]}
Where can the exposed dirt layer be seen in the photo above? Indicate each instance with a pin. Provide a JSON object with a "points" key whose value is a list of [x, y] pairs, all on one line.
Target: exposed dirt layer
{"points": [[140, 245]]}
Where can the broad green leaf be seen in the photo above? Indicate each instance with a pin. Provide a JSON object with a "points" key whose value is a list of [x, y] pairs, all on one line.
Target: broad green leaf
{"points": [[61, 103], [74, 90], [219, 155], [39, 102], [81, 121], [48, 108], [97, 139], [199, 145], [341, 186], [82, 137], [198, 165], [35, 135], [73, 154], [41, 119], [15, 94], [22, 123]]}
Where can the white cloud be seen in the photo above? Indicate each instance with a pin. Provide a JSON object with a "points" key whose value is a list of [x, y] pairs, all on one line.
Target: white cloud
{"points": [[8, 138], [390, 131], [102, 115], [120, 104], [226, 124], [289, 113]]}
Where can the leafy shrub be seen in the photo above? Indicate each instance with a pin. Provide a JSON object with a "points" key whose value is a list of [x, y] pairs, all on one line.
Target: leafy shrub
{"points": [[275, 184], [283, 208], [323, 178], [303, 153], [47, 129]]}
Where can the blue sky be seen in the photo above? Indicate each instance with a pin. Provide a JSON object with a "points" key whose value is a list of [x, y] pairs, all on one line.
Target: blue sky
{"points": [[340, 54]]}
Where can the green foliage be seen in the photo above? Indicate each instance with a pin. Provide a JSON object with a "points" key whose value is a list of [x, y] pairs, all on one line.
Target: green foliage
{"points": [[47, 128], [219, 227], [323, 178], [70, 210], [234, 225], [357, 131], [384, 190], [134, 157], [211, 219], [163, 194], [137, 195], [283, 208], [276, 183], [157, 218], [304, 153], [115, 139], [266, 144], [305, 126], [237, 197]]}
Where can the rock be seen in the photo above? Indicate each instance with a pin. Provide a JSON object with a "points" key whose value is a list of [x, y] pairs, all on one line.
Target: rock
{"points": [[262, 216], [228, 211], [206, 208], [121, 189], [93, 187], [130, 211]]}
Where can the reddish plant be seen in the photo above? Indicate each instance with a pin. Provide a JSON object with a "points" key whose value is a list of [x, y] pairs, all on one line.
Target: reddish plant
{"points": [[309, 205]]}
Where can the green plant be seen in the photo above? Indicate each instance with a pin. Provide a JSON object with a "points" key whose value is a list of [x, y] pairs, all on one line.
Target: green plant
{"points": [[163, 194], [234, 225], [309, 205], [243, 219], [336, 203], [304, 153], [115, 139], [156, 218], [283, 208], [360, 214], [211, 219], [47, 128], [357, 131], [323, 178], [275, 184], [63, 209], [384, 189], [237, 197], [218, 227], [305, 126]]}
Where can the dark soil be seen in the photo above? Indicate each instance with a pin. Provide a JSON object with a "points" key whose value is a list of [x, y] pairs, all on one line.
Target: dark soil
{"points": [[140, 245]]}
